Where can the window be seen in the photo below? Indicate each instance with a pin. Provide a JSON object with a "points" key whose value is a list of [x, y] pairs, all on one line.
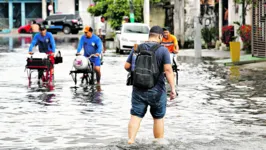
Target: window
{"points": [[136, 29], [55, 17]]}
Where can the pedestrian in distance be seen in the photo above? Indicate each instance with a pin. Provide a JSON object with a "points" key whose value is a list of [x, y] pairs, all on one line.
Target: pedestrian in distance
{"points": [[35, 28], [102, 32]]}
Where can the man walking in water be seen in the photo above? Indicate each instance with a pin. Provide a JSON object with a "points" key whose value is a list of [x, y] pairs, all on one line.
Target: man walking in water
{"points": [[92, 45], [156, 96]]}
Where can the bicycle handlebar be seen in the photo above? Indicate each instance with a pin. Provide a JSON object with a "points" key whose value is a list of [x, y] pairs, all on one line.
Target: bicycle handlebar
{"points": [[31, 54], [92, 55]]}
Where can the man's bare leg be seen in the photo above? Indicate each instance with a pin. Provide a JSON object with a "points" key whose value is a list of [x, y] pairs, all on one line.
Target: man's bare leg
{"points": [[133, 128], [158, 128], [98, 73]]}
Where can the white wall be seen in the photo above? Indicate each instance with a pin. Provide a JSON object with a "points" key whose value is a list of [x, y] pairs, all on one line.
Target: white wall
{"points": [[234, 16], [191, 12], [66, 6], [237, 16], [84, 14]]}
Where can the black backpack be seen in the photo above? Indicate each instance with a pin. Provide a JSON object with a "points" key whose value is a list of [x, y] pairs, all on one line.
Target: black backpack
{"points": [[146, 72]]}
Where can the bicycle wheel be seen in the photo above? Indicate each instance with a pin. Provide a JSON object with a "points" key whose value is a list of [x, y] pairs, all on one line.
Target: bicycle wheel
{"points": [[92, 78], [176, 78], [41, 76], [29, 78], [85, 78]]}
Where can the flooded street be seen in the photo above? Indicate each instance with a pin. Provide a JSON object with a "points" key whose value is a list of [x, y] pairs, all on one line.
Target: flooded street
{"points": [[217, 107]]}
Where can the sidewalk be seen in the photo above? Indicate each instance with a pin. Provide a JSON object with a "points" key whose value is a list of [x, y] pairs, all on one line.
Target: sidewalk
{"points": [[224, 58], [244, 59], [207, 53]]}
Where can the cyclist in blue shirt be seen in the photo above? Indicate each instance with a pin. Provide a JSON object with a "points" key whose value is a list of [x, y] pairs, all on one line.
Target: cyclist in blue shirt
{"points": [[92, 45], [46, 43]]}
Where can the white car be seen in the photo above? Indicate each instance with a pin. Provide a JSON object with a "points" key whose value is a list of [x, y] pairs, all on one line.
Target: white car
{"points": [[130, 34]]}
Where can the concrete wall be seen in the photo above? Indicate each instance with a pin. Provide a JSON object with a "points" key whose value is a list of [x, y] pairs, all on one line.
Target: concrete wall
{"points": [[190, 10], [237, 16], [84, 14], [157, 16], [66, 6]]}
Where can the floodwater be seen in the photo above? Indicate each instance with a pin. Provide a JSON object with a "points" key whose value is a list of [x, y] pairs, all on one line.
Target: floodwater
{"points": [[217, 107]]}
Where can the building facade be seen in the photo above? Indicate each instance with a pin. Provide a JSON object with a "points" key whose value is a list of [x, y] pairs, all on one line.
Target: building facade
{"points": [[16, 13], [78, 7]]}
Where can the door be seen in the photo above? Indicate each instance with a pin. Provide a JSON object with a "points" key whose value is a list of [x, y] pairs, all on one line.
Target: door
{"points": [[16, 15]]}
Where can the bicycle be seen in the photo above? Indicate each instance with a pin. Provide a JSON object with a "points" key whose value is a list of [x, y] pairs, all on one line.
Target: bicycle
{"points": [[175, 68], [88, 74], [43, 66]]}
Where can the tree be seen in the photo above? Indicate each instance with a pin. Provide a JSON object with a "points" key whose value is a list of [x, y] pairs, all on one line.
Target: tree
{"points": [[114, 10], [246, 5]]}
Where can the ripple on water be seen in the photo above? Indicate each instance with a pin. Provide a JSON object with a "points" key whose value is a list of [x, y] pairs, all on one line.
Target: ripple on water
{"points": [[214, 109]]}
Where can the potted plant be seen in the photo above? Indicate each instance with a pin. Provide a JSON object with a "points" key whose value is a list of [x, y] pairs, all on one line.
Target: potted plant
{"points": [[209, 35], [228, 34], [245, 34], [229, 39]]}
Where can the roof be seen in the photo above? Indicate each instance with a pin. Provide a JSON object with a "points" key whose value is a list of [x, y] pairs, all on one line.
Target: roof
{"points": [[125, 24]]}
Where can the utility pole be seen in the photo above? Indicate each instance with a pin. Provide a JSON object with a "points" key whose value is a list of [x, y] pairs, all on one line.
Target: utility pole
{"points": [[146, 12], [179, 19], [52, 4], [243, 12], [197, 39], [44, 9], [220, 18]]}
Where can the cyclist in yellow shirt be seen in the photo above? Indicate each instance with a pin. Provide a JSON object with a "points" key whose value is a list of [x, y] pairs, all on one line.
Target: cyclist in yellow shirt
{"points": [[170, 42]]}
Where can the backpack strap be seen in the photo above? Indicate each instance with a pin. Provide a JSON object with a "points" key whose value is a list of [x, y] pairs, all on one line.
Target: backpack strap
{"points": [[155, 47], [141, 47]]}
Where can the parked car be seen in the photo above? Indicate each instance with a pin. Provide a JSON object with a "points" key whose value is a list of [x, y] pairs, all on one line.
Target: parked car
{"points": [[130, 34], [27, 28], [24, 29], [67, 23]]}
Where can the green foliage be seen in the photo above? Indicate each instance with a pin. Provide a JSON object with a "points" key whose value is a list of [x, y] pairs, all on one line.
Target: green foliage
{"points": [[114, 10], [248, 2], [238, 29], [100, 8], [209, 35]]}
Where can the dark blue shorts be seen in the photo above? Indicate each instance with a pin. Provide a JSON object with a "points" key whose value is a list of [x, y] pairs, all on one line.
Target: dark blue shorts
{"points": [[96, 61], [153, 98]]}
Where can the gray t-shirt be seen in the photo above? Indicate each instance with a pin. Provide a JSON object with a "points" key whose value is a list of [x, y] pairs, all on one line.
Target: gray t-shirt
{"points": [[162, 57]]}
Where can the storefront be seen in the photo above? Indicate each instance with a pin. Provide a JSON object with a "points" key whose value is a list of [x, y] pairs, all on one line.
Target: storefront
{"points": [[16, 13]]}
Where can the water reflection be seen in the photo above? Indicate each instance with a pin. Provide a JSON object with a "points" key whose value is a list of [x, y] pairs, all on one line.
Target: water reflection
{"points": [[91, 94], [45, 99], [8, 44], [212, 110], [235, 73]]}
